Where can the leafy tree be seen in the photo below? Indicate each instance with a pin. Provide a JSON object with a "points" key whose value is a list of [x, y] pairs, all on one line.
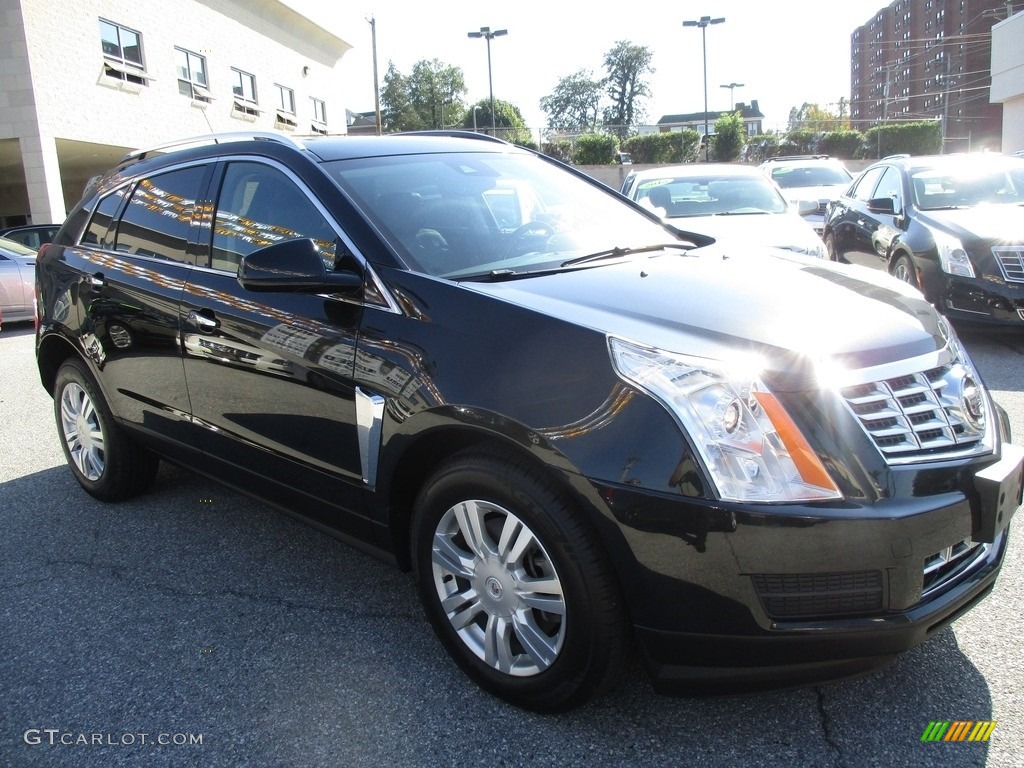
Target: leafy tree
{"points": [[628, 66], [573, 106], [509, 122], [429, 98], [811, 117], [397, 113], [729, 137]]}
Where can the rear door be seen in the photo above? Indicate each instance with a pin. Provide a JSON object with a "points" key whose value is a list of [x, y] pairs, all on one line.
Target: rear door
{"points": [[270, 373], [132, 263]]}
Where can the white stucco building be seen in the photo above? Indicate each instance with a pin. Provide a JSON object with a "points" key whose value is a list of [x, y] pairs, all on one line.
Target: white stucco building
{"points": [[83, 83], [1008, 78]]}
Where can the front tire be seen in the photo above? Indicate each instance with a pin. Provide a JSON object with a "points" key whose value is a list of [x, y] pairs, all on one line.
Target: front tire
{"points": [[832, 254], [903, 269], [103, 459], [515, 584]]}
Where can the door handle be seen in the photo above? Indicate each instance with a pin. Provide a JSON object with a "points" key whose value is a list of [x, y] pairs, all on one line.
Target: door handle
{"points": [[202, 321], [95, 280]]}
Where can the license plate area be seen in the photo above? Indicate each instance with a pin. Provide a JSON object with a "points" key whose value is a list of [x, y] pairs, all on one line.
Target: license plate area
{"points": [[999, 488]]}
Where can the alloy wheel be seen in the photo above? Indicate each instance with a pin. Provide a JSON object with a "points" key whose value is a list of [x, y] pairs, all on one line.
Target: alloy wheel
{"points": [[83, 432], [498, 588]]}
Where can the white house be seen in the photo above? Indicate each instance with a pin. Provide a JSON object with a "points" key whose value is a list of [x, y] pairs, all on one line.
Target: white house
{"points": [[83, 83]]}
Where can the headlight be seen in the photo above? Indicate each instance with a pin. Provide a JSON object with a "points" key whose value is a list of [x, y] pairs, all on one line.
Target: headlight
{"points": [[952, 255], [749, 445]]}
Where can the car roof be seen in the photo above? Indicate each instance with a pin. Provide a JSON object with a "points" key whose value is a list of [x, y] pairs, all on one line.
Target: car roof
{"points": [[916, 162], [696, 170]]}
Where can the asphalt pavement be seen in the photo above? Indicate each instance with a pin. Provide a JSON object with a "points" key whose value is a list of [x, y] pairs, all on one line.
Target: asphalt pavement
{"points": [[196, 627]]}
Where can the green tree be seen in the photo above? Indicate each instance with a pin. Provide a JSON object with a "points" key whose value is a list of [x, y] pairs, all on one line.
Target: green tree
{"points": [[396, 111], [811, 117], [729, 137], [628, 67], [430, 98], [509, 122], [573, 106]]}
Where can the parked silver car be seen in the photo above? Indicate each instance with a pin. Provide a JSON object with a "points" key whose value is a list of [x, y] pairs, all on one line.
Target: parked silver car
{"points": [[17, 281]]}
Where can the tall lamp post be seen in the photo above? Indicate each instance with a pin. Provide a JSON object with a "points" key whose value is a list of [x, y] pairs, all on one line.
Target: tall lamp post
{"points": [[703, 23], [485, 32], [732, 100]]}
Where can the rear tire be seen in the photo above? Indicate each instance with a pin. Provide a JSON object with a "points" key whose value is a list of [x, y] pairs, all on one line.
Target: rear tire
{"points": [[515, 584], [103, 459]]}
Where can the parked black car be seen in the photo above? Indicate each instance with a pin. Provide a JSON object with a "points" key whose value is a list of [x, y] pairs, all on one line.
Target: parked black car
{"points": [[952, 226], [576, 429]]}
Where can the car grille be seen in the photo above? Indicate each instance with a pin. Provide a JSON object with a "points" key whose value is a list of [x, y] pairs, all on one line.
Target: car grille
{"points": [[916, 415], [1011, 262], [950, 564], [819, 595]]}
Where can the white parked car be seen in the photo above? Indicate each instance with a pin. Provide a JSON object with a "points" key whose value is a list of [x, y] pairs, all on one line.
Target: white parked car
{"points": [[733, 203], [809, 177]]}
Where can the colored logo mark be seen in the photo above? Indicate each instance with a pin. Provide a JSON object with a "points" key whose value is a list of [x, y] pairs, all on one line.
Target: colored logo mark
{"points": [[959, 730]]}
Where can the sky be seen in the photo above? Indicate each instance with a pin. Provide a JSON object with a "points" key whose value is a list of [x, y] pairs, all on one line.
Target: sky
{"points": [[783, 53]]}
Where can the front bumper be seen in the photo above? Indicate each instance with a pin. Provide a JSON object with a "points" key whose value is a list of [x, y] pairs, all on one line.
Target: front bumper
{"points": [[730, 598], [983, 301]]}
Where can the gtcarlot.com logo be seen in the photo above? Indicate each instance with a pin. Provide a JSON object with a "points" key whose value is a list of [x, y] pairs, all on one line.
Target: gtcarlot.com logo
{"points": [[959, 730], [56, 736]]}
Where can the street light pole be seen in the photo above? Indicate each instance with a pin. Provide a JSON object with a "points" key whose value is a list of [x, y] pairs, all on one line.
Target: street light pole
{"points": [[732, 100], [703, 23], [476, 107], [485, 32]]}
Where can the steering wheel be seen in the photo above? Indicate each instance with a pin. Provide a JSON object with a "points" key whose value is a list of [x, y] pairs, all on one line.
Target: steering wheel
{"points": [[535, 228]]}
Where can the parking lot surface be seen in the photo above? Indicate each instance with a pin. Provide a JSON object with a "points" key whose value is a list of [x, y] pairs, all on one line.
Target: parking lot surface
{"points": [[194, 626]]}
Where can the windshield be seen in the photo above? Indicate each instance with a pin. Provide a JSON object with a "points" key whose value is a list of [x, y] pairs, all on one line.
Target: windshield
{"points": [[790, 177], [458, 215], [709, 194], [967, 185]]}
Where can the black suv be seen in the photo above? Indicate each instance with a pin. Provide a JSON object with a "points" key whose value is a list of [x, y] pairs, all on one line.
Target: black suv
{"points": [[576, 429], [950, 225]]}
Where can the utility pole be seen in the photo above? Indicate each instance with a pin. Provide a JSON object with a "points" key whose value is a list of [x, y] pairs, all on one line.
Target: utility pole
{"points": [[376, 86]]}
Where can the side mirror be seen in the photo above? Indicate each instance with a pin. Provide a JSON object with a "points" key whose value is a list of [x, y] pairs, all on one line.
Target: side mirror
{"points": [[806, 207], [294, 265], [882, 205]]}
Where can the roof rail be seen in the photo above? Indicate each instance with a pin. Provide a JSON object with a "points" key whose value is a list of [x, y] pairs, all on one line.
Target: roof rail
{"points": [[797, 157], [213, 138], [454, 134]]}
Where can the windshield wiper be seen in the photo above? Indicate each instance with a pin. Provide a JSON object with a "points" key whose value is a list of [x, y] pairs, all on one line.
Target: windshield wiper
{"points": [[617, 251]]}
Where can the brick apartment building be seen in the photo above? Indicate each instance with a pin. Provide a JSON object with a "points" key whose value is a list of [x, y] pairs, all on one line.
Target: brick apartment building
{"points": [[929, 60]]}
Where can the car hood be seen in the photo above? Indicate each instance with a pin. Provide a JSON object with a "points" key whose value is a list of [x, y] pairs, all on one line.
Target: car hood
{"points": [[797, 312], [821, 192], [777, 230], [1003, 223]]}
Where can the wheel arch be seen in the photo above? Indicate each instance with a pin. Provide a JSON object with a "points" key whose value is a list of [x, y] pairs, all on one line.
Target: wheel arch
{"points": [[413, 461], [52, 351]]}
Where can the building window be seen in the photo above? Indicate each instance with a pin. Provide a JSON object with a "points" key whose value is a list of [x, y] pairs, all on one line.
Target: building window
{"points": [[122, 53], [192, 80], [285, 107], [319, 116], [244, 89]]}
